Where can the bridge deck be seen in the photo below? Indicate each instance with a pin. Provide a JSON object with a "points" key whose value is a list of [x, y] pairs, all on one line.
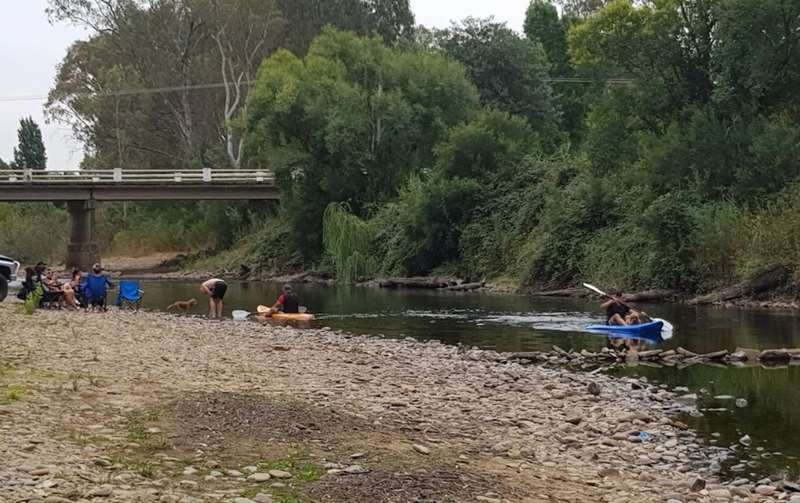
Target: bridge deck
{"points": [[137, 185]]}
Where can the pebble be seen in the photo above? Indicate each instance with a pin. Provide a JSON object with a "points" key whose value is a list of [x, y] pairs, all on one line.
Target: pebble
{"points": [[719, 493], [234, 473], [355, 469], [263, 498], [243, 500], [358, 455], [280, 474], [698, 485], [190, 470], [746, 440], [100, 492], [422, 449], [259, 477], [766, 490]]}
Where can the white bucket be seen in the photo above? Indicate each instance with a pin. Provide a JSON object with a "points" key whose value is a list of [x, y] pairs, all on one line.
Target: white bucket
{"points": [[240, 315]]}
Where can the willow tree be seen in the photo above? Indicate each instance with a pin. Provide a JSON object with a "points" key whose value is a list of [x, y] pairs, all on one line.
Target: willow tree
{"points": [[348, 242]]}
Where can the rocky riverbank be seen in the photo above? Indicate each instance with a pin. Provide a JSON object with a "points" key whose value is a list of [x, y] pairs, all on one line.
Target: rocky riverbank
{"points": [[154, 408]]}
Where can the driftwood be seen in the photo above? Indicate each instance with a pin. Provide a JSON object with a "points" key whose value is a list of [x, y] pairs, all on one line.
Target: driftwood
{"points": [[418, 283], [465, 287], [767, 280], [775, 355], [566, 292], [681, 358], [650, 296]]}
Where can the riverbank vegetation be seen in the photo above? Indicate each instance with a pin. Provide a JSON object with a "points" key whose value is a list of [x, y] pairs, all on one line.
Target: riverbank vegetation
{"points": [[647, 144]]}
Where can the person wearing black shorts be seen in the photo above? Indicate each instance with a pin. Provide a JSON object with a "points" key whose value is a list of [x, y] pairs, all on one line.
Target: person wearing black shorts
{"points": [[215, 288]]}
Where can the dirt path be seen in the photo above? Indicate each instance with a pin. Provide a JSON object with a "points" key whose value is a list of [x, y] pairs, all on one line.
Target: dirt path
{"points": [[149, 407]]}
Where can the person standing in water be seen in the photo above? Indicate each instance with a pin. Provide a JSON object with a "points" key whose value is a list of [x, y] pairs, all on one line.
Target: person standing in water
{"points": [[215, 288]]}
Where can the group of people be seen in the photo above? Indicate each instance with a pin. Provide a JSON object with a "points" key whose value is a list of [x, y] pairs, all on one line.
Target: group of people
{"points": [[80, 291], [215, 289]]}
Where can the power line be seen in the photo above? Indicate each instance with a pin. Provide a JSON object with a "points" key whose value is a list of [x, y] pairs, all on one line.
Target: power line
{"points": [[221, 85]]}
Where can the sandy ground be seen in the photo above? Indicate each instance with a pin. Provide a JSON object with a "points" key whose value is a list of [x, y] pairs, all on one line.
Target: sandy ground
{"points": [[149, 407]]}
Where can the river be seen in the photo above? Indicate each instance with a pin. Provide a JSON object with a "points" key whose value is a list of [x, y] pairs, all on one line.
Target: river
{"points": [[771, 416]]}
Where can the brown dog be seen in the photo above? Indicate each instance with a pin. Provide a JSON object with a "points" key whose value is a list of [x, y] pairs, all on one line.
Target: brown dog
{"points": [[182, 305]]}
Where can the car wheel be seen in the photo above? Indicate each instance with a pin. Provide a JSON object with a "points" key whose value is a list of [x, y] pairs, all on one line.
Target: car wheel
{"points": [[3, 288]]}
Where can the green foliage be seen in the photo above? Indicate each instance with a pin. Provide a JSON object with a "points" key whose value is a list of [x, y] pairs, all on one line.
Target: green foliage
{"points": [[509, 71], [33, 231], [348, 242], [422, 229], [32, 300], [542, 25], [490, 144], [29, 152], [349, 123], [770, 236]]}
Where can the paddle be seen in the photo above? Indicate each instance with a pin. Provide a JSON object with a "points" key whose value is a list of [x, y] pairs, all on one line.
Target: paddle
{"points": [[667, 325]]}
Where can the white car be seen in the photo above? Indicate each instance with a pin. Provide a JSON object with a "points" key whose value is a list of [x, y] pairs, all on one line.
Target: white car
{"points": [[8, 274]]}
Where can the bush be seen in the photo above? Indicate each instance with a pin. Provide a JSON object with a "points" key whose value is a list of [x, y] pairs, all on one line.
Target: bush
{"points": [[422, 229], [33, 231]]}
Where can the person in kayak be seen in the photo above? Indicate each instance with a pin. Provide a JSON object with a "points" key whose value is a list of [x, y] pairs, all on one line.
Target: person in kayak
{"points": [[620, 313], [287, 302], [616, 311], [215, 289]]}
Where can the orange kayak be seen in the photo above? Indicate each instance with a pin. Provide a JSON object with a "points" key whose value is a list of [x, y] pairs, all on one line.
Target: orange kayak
{"points": [[266, 312]]}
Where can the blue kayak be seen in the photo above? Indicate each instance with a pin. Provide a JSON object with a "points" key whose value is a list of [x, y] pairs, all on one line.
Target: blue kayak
{"points": [[651, 328]]}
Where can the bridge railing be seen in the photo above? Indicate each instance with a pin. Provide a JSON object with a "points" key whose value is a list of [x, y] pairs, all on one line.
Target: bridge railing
{"points": [[136, 176]]}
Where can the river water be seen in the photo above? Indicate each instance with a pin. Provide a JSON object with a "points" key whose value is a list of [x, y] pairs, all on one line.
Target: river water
{"points": [[771, 416]]}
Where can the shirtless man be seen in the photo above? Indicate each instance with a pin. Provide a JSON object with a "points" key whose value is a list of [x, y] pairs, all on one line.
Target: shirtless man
{"points": [[215, 289]]}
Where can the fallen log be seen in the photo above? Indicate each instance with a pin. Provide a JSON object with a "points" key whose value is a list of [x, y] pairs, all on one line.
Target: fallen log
{"points": [[566, 292], [465, 287], [650, 296], [716, 355], [765, 281], [686, 352], [430, 283], [775, 356]]}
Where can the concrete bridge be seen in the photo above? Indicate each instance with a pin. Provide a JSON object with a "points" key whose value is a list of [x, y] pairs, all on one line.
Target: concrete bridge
{"points": [[81, 190]]}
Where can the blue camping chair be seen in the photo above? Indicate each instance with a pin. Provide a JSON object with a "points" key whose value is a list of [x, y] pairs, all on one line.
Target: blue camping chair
{"points": [[130, 295]]}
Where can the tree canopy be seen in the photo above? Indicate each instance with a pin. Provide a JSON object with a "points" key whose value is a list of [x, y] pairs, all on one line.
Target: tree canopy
{"points": [[29, 152]]}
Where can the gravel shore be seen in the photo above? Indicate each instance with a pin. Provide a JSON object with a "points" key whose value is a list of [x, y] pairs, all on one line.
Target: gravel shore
{"points": [[156, 408]]}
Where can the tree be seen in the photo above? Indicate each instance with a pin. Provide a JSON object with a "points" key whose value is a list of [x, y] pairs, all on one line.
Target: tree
{"points": [[200, 55], [509, 71], [349, 123], [543, 25], [244, 32], [758, 50], [581, 8], [4, 165], [30, 152]]}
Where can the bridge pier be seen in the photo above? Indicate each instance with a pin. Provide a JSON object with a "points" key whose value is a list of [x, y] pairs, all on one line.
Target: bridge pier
{"points": [[82, 250]]}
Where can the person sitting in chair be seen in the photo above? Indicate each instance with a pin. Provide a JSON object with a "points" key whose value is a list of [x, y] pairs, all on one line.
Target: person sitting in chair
{"points": [[97, 285]]}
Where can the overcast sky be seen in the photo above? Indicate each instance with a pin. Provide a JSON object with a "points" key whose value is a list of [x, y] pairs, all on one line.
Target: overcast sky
{"points": [[31, 48]]}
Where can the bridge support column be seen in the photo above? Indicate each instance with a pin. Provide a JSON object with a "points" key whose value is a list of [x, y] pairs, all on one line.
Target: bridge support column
{"points": [[82, 250]]}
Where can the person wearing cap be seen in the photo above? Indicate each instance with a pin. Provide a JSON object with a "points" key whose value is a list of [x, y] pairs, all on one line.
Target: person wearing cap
{"points": [[96, 289], [215, 288], [288, 302]]}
